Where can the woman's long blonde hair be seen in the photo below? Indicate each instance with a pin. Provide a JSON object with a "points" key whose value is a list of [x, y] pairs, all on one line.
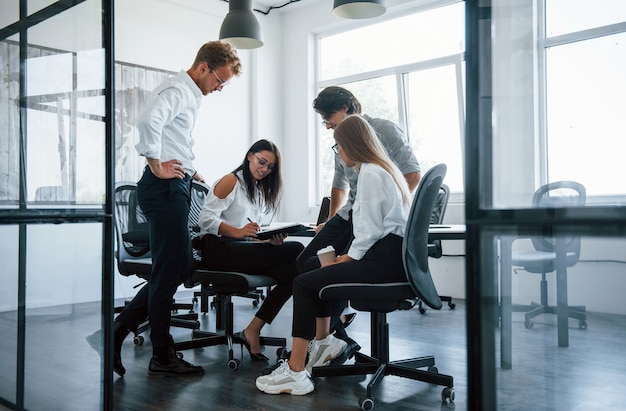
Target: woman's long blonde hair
{"points": [[361, 144]]}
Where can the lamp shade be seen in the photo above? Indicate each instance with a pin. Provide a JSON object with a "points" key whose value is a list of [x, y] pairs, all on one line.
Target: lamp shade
{"points": [[240, 27], [359, 9]]}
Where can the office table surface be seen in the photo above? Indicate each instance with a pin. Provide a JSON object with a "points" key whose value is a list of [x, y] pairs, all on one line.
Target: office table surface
{"points": [[436, 232], [446, 232]]}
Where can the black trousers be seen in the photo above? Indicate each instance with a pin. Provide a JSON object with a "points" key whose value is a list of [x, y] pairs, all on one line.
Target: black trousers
{"points": [[252, 257], [338, 233], [381, 264], [165, 204]]}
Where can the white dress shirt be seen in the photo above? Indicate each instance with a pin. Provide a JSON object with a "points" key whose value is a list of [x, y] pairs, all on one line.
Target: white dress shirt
{"points": [[378, 209], [166, 122]]}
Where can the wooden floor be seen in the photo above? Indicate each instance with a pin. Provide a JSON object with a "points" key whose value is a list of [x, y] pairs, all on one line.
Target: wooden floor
{"points": [[63, 372]]}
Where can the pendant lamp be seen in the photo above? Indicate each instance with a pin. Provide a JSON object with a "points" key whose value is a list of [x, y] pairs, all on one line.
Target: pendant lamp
{"points": [[359, 9], [240, 27]]}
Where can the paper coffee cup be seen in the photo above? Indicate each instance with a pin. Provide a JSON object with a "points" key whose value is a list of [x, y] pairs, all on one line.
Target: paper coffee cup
{"points": [[326, 255]]}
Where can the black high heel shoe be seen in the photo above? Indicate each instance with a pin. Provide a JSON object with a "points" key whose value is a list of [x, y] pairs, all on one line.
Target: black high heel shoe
{"points": [[349, 319], [254, 357]]}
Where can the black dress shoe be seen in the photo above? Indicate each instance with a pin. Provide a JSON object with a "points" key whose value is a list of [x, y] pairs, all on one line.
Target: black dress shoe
{"points": [[175, 366], [254, 357], [95, 341], [118, 367], [120, 332]]}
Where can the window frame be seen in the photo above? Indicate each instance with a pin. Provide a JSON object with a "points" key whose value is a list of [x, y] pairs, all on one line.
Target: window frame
{"points": [[400, 73], [544, 43]]}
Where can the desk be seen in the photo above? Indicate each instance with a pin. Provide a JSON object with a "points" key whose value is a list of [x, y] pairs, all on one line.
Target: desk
{"points": [[435, 232]]}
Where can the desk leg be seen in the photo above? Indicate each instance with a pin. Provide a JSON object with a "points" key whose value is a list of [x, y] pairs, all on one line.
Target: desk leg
{"points": [[561, 292], [506, 335]]}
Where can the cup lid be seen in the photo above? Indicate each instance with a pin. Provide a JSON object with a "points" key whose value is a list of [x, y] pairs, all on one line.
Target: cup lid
{"points": [[326, 249]]}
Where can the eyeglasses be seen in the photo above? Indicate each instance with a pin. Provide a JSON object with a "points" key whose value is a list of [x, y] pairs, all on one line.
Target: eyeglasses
{"points": [[335, 149], [326, 120], [264, 163], [222, 83]]}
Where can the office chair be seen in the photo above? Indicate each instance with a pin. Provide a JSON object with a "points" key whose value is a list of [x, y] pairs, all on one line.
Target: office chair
{"points": [[198, 194], [133, 253], [542, 259], [380, 299], [223, 285], [435, 250], [322, 216]]}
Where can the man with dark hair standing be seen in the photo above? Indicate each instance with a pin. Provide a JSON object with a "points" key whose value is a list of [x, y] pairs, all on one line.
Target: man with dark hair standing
{"points": [[163, 192]]}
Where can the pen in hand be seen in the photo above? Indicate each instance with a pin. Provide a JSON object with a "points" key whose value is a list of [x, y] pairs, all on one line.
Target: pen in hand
{"points": [[248, 218]]}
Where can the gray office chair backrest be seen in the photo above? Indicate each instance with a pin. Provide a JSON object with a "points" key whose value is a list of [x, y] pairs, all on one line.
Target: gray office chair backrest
{"points": [[553, 196], [441, 203], [130, 222], [199, 192], [415, 244], [435, 249]]}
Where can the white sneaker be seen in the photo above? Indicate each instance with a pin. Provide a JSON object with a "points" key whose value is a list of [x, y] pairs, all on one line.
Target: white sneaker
{"points": [[283, 380], [324, 351]]}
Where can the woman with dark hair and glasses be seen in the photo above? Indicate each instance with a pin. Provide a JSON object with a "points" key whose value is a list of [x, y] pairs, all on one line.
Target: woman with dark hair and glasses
{"points": [[229, 222]]}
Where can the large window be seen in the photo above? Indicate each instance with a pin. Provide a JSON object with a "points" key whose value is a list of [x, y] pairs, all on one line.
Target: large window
{"points": [[585, 93], [408, 70]]}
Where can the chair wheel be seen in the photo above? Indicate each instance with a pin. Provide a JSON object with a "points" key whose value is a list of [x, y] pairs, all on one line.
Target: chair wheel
{"points": [[582, 324], [233, 364], [451, 305], [255, 303], [138, 340], [447, 395], [422, 310], [528, 324], [366, 404]]}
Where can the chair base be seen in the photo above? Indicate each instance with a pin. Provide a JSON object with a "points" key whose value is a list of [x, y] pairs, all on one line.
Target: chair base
{"points": [[208, 339], [364, 364], [205, 292], [444, 298], [379, 365], [188, 320], [531, 311]]}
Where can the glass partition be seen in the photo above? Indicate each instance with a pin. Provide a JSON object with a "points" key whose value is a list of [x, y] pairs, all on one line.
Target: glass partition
{"points": [[55, 229], [8, 310], [561, 324], [65, 100], [546, 222], [62, 308]]}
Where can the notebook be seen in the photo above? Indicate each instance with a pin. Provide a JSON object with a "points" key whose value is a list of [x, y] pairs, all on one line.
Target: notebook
{"points": [[280, 228]]}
